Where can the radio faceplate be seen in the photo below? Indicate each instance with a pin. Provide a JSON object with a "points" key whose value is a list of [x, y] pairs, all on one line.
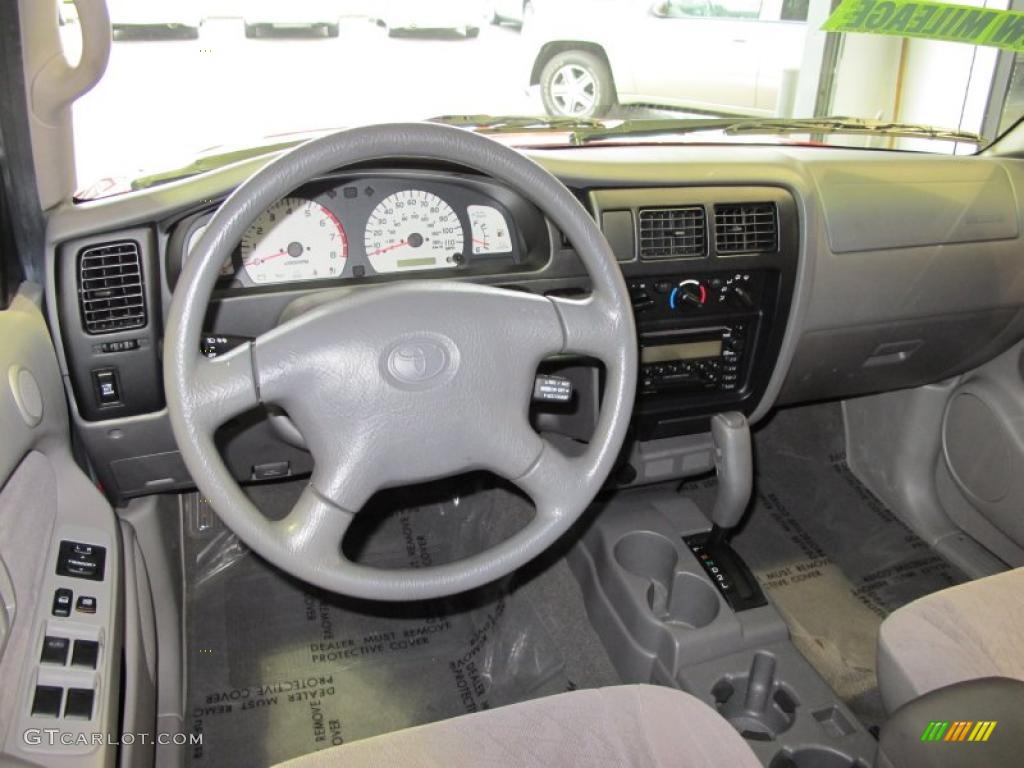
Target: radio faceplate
{"points": [[693, 359]]}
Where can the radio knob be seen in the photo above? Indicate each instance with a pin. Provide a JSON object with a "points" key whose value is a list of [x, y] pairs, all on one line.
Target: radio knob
{"points": [[691, 293]]}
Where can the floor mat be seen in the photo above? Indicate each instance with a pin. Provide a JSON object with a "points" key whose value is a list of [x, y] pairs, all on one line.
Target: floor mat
{"points": [[278, 669], [834, 560]]}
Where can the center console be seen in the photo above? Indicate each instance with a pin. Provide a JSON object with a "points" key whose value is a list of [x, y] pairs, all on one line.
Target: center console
{"points": [[711, 273]]}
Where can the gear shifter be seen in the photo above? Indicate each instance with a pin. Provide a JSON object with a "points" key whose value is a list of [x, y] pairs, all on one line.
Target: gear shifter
{"points": [[734, 465]]}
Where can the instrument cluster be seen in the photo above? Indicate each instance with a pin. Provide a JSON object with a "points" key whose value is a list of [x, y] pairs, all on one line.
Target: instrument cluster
{"points": [[378, 225]]}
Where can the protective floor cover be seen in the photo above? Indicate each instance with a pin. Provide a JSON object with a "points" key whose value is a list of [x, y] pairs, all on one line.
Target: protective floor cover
{"points": [[834, 560], [278, 669]]}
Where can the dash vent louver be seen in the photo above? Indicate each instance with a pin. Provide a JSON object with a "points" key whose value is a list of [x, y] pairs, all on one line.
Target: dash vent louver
{"points": [[672, 233], [746, 228], [111, 294]]}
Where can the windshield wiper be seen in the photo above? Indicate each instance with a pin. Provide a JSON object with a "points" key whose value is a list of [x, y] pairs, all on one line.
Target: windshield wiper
{"points": [[776, 126], [520, 123]]}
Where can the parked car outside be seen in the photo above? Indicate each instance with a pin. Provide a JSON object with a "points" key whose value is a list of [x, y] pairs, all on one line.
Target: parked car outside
{"points": [[182, 16], [510, 11], [263, 16], [462, 16], [720, 56]]}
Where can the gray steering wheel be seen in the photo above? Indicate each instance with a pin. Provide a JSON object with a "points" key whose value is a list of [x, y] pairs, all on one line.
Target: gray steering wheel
{"points": [[370, 418]]}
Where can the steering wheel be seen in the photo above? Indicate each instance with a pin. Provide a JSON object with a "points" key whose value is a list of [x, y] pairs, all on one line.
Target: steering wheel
{"points": [[405, 383]]}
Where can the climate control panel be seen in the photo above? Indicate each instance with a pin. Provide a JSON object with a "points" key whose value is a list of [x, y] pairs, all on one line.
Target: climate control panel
{"points": [[696, 296]]}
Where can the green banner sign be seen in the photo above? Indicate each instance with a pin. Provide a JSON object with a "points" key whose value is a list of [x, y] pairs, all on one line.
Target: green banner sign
{"points": [[931, 21]]}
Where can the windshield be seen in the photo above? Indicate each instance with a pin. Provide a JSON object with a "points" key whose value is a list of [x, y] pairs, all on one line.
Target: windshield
{"points": [[196, 83]]}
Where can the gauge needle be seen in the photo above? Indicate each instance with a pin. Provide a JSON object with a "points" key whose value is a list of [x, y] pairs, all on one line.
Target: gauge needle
{"points": [[387, 248], [257, 262], [484, 243]]}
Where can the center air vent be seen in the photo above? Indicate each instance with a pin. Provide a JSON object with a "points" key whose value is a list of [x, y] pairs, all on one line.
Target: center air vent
{"points": [[746, 228], [672, 233], [110, 291]]}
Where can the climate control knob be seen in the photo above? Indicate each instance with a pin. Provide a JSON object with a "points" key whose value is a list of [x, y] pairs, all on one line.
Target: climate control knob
{"points": [[688, 293]]}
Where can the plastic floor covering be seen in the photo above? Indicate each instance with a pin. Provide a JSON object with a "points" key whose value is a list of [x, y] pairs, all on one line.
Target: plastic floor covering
{"points": [[278, 669], [832, 558]]}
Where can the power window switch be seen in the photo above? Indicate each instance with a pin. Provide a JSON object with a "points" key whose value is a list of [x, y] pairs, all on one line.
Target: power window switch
{"points": [[62, 603], [86, 604], [55, 650], [85, 654], [79, 703], [46, 701]]}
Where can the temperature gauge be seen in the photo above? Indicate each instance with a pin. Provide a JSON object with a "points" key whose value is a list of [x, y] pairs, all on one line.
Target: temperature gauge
{"points": [[490, 230]]}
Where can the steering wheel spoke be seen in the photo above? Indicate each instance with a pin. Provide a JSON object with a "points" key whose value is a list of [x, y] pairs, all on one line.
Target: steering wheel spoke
{"points": [[222, 388], [591, 326], [314, 529]]}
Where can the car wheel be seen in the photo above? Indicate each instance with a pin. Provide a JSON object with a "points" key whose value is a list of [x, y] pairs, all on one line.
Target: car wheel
{"points": [[253, 30], [577, 84], [472, 31], [331, 30]]}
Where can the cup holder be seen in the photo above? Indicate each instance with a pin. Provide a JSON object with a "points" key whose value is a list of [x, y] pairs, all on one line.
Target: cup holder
{"points": [[756, 703], [814, 757], [674, 598]]}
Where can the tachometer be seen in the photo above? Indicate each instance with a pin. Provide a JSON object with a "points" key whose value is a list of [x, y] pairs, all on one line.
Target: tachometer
{"points": [[413, 229], [294, 239]]}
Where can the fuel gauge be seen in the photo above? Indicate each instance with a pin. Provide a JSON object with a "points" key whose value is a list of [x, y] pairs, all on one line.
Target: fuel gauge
{"points": [[490, 230]]}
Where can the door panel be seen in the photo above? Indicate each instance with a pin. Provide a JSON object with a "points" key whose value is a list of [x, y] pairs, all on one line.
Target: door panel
{"points": [[45, 499]]}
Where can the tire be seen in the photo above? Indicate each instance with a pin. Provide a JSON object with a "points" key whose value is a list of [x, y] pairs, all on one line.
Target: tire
{"points": [[472, 32], [253, 30], [591, 91], [332, 30]]}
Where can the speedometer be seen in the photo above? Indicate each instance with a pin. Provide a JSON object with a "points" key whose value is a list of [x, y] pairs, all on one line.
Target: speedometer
{"points": [[413, 229], [294, 239]]}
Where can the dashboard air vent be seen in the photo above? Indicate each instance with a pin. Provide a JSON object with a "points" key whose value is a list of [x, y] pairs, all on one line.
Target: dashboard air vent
{"points": [[672, 233], [746, 228], [110, 290]]}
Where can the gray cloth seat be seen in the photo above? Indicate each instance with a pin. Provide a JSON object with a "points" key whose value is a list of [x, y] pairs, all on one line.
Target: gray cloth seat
{"points": [[971, 631], [628, 726]]}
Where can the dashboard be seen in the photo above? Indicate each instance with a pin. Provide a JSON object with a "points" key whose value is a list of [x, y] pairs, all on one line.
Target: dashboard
{"points": [[759, 276], [364, 226]]}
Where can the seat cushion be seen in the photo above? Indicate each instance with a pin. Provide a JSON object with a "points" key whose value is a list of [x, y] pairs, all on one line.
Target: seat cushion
{"points": [[970, 631], [629, 725]]}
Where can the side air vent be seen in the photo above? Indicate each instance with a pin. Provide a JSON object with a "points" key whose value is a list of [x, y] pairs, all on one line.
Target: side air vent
{"points": [[110, 291], [672, 233], [746, 228]]}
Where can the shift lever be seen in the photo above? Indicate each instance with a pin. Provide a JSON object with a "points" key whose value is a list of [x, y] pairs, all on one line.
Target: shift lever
{"points": [[734, 464]]}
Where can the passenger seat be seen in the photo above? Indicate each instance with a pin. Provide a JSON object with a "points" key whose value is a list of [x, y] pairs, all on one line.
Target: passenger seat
{"points": [[968, 632]]}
